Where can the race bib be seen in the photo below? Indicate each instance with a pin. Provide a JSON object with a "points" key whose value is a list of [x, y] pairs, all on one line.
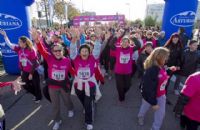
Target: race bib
{"points": [[163, 85], [124, 58], [58, 75], [23, 62], [84, 73]]}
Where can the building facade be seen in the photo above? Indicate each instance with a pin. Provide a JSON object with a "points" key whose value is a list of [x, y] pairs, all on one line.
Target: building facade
{"points": [[157, 10]]}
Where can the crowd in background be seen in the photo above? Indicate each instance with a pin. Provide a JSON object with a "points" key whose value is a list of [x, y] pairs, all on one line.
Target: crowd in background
{"points": [[77, 60]]}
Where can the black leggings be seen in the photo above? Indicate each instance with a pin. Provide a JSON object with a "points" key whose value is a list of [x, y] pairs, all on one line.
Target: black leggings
{"points": [[32, 86], [123, 83], [189, 124], [3, 124], [86, 101]]}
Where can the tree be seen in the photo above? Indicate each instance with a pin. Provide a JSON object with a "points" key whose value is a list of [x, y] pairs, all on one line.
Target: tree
{"points": [[149, 21], [136, 23], [159, 23], [72, 11], [59, 10]]}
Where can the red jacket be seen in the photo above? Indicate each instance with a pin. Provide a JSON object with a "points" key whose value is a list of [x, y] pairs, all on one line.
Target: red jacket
{"points": [[98, 75], [4, 84]]}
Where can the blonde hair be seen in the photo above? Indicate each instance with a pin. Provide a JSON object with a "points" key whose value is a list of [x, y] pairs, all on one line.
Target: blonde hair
{"points": [[156, 57], [28, 42]]}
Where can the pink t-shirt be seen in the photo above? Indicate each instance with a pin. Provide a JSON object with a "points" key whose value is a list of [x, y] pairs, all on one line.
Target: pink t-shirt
{"points": [[84, 69], [26, 56], [124, 60], [163, 78], [192, 90], [58, 69]]}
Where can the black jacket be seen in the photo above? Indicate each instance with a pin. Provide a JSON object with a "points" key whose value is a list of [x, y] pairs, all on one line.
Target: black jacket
{"points": [[140, 63], [184, 39], [150, 84], [189, 62], [174, 56]]}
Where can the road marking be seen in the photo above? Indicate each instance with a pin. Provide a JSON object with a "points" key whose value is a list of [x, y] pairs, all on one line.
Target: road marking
{"points": [[26, 118]]}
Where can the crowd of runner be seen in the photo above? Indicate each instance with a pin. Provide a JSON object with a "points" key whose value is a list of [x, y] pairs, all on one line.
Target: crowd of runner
{"points": [[77, 60]]}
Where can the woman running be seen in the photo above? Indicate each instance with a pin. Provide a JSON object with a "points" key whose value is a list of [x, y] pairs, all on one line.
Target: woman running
{"points": [[85, 84], [123, 65], [58, 80]]}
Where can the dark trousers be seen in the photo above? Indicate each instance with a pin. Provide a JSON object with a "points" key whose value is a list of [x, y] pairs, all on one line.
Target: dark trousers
{"points": [[112, 62], [2, 124], [134, 68], [106, 60], [45, 69], [106, 63], [185, 122], [55, 95], [32, 86], [123, 83], [87, 101]]}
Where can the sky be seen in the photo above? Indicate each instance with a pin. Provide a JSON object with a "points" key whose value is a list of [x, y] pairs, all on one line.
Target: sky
{"points": [[132, 9]]}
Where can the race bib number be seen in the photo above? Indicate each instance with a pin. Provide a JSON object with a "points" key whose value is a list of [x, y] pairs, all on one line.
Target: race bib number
{"points": [[58, 75], [84, 73], [124, 58], [163, 85], [23, 62]]}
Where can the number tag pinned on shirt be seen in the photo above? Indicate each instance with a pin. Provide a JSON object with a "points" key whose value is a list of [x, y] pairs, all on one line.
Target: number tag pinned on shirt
{"points": [[124, 58], [58, 75], [23, 62], [84, 73]]}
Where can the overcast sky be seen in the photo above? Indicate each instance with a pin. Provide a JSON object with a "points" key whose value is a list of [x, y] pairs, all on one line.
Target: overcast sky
{"points": [[111, 7]]}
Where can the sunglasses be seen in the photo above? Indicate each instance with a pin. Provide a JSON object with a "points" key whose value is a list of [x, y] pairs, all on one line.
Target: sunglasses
{"points": [[57, 50], [125, 41]]}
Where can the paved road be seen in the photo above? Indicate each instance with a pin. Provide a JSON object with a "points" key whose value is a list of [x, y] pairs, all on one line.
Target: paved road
{"points": [[26, 115]]}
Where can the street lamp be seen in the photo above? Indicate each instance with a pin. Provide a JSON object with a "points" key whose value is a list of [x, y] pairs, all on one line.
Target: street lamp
{"points": [[82, 7], [129, 10], [39, 13]]}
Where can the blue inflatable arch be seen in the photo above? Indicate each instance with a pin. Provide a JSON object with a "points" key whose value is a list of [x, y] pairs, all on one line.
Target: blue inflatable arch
{"points": [[15, 21], [179, 13]]}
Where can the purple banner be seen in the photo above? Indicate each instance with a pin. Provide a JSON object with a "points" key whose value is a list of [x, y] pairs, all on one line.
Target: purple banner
{"points": [[118, 18]]}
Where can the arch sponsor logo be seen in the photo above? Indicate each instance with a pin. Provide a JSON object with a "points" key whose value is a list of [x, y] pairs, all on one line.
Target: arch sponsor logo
{"points": [[183, 19], [3, 44], [6, 51], [9, 22]]}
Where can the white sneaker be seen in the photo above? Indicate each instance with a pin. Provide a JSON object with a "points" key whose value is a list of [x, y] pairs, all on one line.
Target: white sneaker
{"points": [[57, 125], [37, 101], [89, 127], [70, 113], [176, 92]]}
